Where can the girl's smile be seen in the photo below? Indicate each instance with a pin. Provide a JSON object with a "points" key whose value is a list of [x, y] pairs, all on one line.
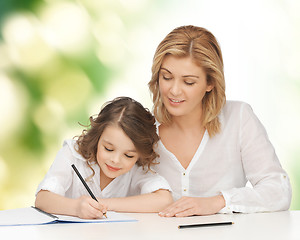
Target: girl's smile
{"points": [[116, 154]]}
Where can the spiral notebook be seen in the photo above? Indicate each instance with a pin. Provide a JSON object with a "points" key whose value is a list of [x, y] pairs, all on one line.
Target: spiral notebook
{"points": [[35, 216]]}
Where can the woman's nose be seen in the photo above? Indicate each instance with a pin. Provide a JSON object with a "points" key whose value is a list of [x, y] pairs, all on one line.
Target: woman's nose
{"points": [[175, 88]]}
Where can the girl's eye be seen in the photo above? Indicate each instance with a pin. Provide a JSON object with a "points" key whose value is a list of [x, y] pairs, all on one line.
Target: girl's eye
{"points": [[129, 156], [108, 149]]}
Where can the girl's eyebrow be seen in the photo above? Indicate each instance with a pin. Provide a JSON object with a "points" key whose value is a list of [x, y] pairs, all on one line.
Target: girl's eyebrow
{"points": [[185, 76], [107, 142]]}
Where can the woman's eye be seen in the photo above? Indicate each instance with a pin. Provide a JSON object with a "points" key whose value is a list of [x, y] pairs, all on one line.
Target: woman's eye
{"points": [[107, 149], [167, 78], [190, 83], [129, 156]]}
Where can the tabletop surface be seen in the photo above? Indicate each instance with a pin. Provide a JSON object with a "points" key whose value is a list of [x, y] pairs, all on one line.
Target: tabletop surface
{"points": [[278, 225]]}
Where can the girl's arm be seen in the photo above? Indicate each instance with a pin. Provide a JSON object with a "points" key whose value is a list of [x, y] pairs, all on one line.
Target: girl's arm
{"points": [[83, 207], [149, 202]]}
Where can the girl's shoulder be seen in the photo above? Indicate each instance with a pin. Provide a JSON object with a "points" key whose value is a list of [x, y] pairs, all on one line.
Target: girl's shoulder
{"points": [[70, 145]]}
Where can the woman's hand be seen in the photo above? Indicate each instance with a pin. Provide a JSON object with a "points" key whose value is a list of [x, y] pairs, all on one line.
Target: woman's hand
{"points": [[88, 208], [189, 206]]}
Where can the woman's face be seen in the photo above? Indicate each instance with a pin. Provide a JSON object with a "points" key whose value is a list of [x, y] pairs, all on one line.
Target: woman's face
{"points": [[116, 154], [182, 85]]}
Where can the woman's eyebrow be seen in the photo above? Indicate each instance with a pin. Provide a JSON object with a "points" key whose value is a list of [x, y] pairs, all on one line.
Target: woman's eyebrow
{"points": [[195, 76], [165, 69], [185, 76]]}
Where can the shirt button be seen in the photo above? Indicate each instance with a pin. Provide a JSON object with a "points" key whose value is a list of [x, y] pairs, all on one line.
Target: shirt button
{"points": [[183, 174], [184, 190]]}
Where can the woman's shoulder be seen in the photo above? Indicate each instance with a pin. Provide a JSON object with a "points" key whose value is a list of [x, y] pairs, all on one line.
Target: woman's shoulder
{"points": [[234, 111], [235, 107]]}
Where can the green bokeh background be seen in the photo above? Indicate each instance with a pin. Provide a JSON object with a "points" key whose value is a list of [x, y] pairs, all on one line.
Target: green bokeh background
{"points": [[61, 60]]}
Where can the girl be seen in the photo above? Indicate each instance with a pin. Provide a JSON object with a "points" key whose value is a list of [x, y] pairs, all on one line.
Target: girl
{"points": [[115, 155], [210, 147]]}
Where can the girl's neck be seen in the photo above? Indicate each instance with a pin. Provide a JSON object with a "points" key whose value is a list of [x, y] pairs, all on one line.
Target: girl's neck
{"points": [[104, 180]]}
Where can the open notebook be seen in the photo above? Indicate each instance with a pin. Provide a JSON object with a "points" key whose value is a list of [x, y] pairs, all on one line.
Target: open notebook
{"points": [[35, 216]]}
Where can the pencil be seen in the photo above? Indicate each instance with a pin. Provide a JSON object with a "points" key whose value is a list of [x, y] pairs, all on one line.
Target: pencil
{"points": [[85, 185], [205, 225]]}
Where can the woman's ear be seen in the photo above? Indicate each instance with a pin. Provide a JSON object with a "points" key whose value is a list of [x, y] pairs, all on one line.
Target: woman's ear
{"points": [[209, 88]]}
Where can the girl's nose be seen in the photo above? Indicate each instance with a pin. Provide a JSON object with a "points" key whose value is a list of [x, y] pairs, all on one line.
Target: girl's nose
{"points": [[115, 158]]}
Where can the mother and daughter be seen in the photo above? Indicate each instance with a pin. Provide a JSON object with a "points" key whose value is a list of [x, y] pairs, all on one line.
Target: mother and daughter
{"points": [[193, 157]]}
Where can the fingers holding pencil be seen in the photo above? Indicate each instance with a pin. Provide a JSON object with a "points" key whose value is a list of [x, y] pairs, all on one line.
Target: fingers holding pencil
{"points": [[88, 208], [103, 207]]}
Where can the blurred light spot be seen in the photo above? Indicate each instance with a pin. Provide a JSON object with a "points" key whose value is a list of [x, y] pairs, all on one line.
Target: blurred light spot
{"points": [[108, 31], [133, 5], [3, 170], [67, 26], [25, 44], [5, 62], [70, 89], [49, 116], [13, 102]]}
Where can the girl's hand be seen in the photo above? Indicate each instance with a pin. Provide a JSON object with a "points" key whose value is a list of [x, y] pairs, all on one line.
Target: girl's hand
{"points": [[88, 208], [189, 206]]}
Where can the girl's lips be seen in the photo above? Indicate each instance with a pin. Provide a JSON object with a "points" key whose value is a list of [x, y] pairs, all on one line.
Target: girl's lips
{"points": [[112, 168]]}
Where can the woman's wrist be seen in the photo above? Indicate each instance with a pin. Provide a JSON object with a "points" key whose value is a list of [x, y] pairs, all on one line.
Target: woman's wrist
{"points": [[220, 203]]}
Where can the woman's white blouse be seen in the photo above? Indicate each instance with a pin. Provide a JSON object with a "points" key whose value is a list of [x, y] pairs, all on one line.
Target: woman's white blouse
{"points": [[223, 164], [61, 178]]}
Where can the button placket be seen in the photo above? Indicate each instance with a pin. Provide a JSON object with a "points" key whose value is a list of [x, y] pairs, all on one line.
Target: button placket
{"points": [[185, 183]]}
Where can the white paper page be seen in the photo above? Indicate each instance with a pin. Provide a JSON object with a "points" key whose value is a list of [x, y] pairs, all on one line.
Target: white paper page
{"points": [[23, 216], [111, 217]]}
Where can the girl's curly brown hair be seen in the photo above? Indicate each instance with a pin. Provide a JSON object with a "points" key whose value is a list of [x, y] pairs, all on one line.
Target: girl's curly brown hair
{"points": [[137, 123]]}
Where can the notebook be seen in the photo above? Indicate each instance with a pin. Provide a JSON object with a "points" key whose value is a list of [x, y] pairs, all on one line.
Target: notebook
{"points": [[35, 216]]}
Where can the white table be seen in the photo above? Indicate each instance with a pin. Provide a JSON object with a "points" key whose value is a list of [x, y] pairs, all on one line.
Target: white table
{"points": [[279, 225]]}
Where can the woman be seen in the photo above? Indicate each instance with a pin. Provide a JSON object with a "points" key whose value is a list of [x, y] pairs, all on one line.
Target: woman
{"points": [[209, 147]]}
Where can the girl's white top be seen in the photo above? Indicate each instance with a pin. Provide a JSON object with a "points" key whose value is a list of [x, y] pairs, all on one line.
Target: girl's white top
{"points": [[223, 164], [61, 178]]}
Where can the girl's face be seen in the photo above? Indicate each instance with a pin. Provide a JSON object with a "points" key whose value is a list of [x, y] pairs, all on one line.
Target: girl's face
{"points": [[182, 85], [116, 154]]}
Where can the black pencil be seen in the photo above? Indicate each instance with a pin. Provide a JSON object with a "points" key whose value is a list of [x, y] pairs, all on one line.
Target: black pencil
{"points": [[85, 185], [205, 225]]}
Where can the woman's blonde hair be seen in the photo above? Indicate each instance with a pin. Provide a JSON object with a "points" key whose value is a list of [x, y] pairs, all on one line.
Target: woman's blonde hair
{"points": [[201, 45]]}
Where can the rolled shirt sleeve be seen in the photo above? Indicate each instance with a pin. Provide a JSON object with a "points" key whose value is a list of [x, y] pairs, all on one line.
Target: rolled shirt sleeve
{"points": [[146, 182], [271, 189], [59, 177]]}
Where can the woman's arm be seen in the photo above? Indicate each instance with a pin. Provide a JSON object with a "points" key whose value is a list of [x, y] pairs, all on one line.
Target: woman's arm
{"points": [[189, 206], [149, 202], [83, 207]]}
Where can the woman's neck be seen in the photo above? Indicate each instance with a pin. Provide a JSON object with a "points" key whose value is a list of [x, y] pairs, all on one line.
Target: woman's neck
{"points": [[187, 123]]}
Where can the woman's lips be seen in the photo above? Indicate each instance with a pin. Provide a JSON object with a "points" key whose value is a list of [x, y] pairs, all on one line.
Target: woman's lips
{"points": [[175, 101]]}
